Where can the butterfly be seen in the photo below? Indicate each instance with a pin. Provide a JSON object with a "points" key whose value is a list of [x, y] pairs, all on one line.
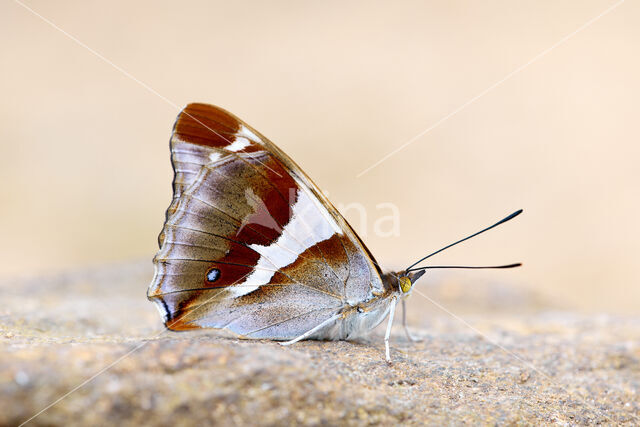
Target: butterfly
{"points": [[250, 244]]}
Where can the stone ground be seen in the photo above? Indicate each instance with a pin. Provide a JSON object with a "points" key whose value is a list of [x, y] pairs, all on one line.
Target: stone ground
{"points": [[507, 358]]}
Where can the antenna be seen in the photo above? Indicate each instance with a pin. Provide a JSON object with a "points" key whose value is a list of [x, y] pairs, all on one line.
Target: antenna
{"points": [[502, 221], [465, 266]]}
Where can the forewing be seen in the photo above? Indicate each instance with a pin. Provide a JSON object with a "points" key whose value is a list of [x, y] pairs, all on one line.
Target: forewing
{"points": [[250, 243]]}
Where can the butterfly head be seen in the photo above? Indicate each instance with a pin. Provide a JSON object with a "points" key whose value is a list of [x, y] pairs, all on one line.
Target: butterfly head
{"points": [[407, 280]]}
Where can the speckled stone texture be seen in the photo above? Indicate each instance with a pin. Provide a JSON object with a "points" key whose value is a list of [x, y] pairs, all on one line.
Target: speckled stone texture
{"points": [[506, 357]]}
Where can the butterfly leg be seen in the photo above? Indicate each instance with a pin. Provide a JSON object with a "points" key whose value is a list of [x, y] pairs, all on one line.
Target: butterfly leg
{"points": [[404, 323], [392, 312], [311, 331]]}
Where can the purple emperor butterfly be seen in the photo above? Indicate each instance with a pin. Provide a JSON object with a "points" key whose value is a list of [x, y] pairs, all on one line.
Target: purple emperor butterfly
{"points": [[250, 244]]}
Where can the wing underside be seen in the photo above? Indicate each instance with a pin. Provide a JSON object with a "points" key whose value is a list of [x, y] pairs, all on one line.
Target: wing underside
{"points": [[249, 243]]}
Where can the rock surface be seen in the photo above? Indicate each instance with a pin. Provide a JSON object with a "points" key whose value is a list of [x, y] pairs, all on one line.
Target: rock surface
{"points": [[92, 340]]}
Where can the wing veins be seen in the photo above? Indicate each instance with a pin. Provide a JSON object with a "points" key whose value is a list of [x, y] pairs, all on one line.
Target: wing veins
{"points": [[285, 200]]}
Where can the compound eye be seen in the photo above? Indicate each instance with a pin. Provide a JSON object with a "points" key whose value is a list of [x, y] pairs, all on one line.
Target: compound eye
{"points": [[405, 284]]}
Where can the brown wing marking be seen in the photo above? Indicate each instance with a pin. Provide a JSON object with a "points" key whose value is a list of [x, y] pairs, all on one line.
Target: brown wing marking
{"points": [[213, 127]]}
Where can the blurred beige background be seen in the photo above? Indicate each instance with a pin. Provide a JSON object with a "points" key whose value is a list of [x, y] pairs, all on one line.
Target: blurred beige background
{"points": [[338, 85]]}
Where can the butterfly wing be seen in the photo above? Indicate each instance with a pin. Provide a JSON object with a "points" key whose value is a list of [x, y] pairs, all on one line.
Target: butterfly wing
{"points": [[250, 243]]}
